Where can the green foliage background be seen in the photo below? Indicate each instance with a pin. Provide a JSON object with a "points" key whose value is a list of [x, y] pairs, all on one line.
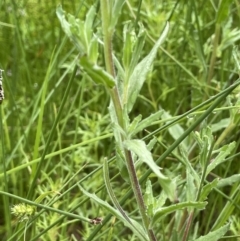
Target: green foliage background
{"points": [[35, 54]]}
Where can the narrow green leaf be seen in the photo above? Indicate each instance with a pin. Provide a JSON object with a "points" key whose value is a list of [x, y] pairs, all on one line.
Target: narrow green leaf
{"points": [[175, 130], [61, 16], [120, 77], [110, 191], [207, 189], [74, 29], [147, 122], [224, 152], [120, 72], [120, 161], [139, 44], [204, 151], [88, 24], [116, 130], [41, 115], [229, 181], [149, 199], [191, 190], [161, 200], [141, 70], [221, 124], [188, 164], [138, 229], [223, 11], [141, 233], [93, 50], [133, 125], [215, 235], [98, 74], [116, 11], [159, 213], [170, 187], [236, 58], [198, 139], [140, 149], [43, 195], [228, 208], [234, 113], [152, 143], [129, 40]]}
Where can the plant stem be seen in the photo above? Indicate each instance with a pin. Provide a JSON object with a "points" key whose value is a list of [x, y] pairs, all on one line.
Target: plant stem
{"points": [[107, 37], [136, 188], [188, 226]]}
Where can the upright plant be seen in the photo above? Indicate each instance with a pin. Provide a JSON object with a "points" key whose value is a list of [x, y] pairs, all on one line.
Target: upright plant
{"points": [[123, 88], [123, 80]]}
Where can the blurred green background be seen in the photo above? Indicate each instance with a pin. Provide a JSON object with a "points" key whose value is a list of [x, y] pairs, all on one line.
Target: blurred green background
{"points": [[195, 62]]}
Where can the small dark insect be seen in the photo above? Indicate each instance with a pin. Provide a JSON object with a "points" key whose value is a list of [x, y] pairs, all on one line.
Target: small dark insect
{"points": [[96, 221], [1, 87]]}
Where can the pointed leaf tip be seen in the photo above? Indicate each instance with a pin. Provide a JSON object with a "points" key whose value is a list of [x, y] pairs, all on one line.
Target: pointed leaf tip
{"points": [[141, 70]]}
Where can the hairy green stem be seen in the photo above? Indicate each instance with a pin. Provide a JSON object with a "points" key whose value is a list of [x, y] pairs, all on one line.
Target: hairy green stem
{"points": [[137, 190], [107, 37]]}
